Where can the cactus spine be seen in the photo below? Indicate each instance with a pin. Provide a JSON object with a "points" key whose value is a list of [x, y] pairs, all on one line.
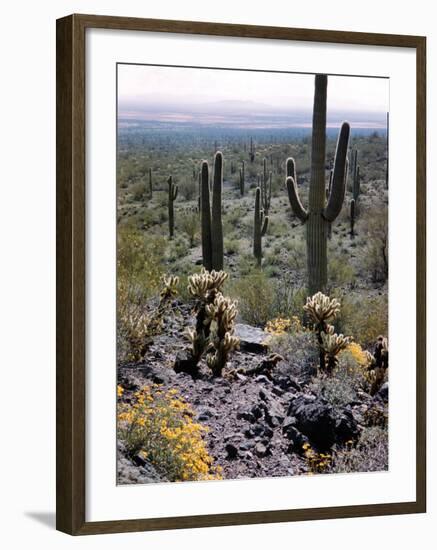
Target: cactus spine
{"points": [[259, 227], [211, 217], [172, 194], [242, 179], [266, 189], [320, 213]]}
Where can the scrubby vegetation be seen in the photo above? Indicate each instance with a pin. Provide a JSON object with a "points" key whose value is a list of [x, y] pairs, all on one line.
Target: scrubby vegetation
{"points": [[264, 322]]}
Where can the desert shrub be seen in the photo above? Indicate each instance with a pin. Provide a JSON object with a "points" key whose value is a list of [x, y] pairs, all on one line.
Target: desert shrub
{"points": [[317, 463], [139, 191], [137, 322], [232, 219], [376, 253], [370, 454], [158, 425], [300, 352], [288, 299], [255, 295], [296, 254], [340, 272], [282, 325], [376, 415], [178, 248], [364, 317], [139, 264], [232, 246], [340, 388], [188, 222], [189, 188]]}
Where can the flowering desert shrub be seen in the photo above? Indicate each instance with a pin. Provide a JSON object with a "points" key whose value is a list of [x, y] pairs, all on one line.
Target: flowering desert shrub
{"points": [[158, 425]]}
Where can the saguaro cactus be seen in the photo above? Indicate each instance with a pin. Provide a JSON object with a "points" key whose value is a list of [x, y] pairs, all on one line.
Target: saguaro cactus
{"points": [[172, 194], [320, 213], [211, 218], [352, 232], [266, 189], [242, 178], [150, 183], [252, 151], [355, 171], [259, 227], [216, 214]]}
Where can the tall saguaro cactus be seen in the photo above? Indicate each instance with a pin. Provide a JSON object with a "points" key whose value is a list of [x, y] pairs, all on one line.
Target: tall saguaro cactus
{"points": [[211, 217], [259, 228], [252, 151], [172, 194], [320, 212], [352, 232], [150, 183], [266, 189], [242, 178], [355, 170]]}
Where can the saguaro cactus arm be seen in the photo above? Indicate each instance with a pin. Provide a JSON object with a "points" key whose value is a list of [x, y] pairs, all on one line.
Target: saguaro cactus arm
{"points": [[338, 186], [291, 168], [295, 203]]}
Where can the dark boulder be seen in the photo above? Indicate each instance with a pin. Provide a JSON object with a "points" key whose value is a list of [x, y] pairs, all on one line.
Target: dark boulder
{"points": [[320, 423]]}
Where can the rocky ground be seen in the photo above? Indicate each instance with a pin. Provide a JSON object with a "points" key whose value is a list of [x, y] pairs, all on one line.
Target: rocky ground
{"points": [[257, 422]]}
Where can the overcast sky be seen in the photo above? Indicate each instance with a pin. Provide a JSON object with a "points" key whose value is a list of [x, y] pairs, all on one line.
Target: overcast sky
{"points": [[146, 86]]}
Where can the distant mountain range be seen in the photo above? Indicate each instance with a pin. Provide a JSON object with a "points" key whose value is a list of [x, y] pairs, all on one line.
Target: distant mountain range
{"points": [[239, 114]]}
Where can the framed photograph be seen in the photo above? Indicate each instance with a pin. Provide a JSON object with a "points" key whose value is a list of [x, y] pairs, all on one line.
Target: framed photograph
{"points": [[240, 242]]}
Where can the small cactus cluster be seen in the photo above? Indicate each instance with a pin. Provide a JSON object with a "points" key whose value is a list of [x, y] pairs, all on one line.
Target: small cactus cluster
{"points": [[242, 179], [322, 309], [222, 312], [378, 365], [211, 215], [332, 344], [169, 287], [172, 195], [259, 227], [215, 321], [321, 212]]}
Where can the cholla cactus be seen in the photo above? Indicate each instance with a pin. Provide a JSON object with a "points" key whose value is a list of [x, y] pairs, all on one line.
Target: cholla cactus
{"points": [[201, 284], [169, 289], [321, 308], [381, 353], [332, 344], [222, 312]]}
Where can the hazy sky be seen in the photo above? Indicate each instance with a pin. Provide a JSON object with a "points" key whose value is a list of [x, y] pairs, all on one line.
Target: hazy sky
{"points": [[146, 86]]}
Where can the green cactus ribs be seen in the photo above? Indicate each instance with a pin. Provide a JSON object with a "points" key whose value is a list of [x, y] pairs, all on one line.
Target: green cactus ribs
{"points": [[259, 228], [322, 211], [211, 215]]}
